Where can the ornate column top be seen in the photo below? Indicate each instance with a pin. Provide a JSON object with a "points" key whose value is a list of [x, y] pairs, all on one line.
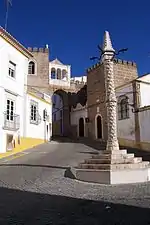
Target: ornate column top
{"points": [[107, 45]]}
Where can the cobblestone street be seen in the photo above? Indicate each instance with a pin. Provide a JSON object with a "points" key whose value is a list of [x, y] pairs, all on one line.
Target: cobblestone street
{"points": [[35, 189]]}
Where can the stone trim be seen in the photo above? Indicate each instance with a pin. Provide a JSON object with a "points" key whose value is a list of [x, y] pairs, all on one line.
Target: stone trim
{"points": [[136, 103], [98, 114]]}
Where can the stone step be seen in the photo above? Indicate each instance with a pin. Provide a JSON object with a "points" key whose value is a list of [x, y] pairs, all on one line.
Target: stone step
{"points": [[129, 166], [113, 161], [109, 156], [137, 159], [115, 152]]}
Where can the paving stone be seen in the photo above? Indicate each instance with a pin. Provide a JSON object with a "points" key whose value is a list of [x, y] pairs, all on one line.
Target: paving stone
{"points": [[34, 190]]}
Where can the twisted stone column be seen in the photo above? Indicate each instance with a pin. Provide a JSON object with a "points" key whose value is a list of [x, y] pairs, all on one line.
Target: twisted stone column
{"points": [[111, 103]]}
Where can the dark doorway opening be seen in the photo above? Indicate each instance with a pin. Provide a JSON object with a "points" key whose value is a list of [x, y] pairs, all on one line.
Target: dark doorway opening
{"points": [[99, 127], [81, 127]]}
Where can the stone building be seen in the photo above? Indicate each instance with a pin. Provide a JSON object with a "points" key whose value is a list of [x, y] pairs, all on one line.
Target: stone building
{"points": [[54, 78], [124, 72]]}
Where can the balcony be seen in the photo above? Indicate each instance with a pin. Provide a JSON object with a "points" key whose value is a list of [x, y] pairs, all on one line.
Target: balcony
{"points": [[11, 121]]}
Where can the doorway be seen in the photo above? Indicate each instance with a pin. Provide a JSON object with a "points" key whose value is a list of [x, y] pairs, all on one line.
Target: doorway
{"points": [[99, 127], [81, 127]]}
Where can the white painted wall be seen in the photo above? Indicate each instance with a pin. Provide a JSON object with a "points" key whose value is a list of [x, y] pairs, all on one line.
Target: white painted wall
{"points": [[38, 131], [15, 86], [60, 83], [8, 52], [80, 79], [126, 127], [144, 120], [76, 114], [145, 94], [145, 78], [63, 82]]}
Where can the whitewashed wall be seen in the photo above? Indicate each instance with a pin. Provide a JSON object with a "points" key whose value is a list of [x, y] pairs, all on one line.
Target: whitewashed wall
{"points": [[76, 114], [10, 87], [80, 79], [145, 94], [37, 131], [145, 78], [144, 120], [126, 127], [9, 53], [63, 82]]}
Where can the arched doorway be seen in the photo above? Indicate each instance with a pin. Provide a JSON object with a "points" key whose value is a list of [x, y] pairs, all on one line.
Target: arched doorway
{"points": [[99, 127], [81, 127], [60, 114]]}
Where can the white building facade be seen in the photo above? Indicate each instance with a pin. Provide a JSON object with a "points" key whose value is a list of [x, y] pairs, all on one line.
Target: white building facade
{"points": [[21, 123], [38, 121], [134, 113], [13, 69], [59, 74]]}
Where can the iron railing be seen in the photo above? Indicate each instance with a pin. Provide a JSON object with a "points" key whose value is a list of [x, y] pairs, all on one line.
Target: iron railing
{"points": [[11, 121]]}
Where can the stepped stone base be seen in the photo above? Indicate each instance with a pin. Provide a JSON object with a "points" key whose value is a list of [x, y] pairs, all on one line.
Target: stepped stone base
{"points": [[113, 167]]}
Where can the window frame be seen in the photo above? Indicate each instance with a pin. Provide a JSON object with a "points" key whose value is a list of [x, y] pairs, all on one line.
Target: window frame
{"points": [[11, 70], [53, 73], [31, 69], [34, 115], [9, 112], [123, 108]]}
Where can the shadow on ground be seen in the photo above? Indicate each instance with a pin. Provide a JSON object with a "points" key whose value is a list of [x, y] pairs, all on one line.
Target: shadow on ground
{"points": [[20, 207], [67, 173], [97, 145]]}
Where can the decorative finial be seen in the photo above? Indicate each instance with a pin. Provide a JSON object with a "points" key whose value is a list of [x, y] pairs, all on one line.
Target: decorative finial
{"points": [[107, 45], [46, 45], [107, 49]]}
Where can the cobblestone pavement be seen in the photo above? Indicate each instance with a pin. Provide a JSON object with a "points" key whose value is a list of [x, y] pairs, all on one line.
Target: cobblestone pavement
{"points": [[35, 189]]}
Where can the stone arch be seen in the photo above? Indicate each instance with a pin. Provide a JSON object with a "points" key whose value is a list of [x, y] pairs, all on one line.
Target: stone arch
{"points": [[59, 74], [65, 112], [64, 74], [32, 67], [53, 73], [98, 126]]}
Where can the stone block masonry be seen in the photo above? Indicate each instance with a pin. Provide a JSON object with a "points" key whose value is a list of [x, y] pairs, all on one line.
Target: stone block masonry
{"points": [[124, 72], [41, 56]]}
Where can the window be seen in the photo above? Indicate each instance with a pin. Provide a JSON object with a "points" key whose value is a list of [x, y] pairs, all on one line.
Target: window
{"points": [[10, 110], [34, 112], [12, 69], [44, 114], [123, 108], [64, 74], [59, 74], [53, 73], [31, 68]]}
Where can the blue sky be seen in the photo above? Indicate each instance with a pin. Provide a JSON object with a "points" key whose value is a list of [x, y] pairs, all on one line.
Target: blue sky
{"points": [[73, 28]]}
